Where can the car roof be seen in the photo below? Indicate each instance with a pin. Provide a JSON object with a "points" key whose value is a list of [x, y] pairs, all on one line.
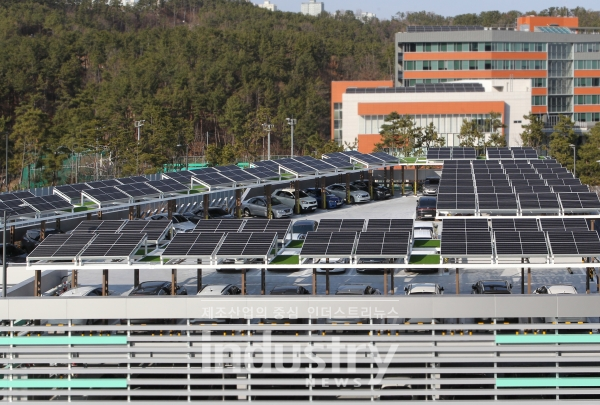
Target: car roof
{"points": [[78, 292], [561, 289], [282, 289], [427, 199], [155, 284], [215, 289]]}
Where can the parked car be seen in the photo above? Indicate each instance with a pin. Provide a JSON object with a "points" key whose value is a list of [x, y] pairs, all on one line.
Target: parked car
{"points": [[220, 289], [289, 290], [257, 206], [213, 213], [301, 227], [430, 186], [287, 197], [356, 195], [336, 260], [331, 200], [357, 289], [156, 288], [84, 292], [31, 239], [13, 254], [426, 207], [380, 192], [491, 287], [371, 260], [424, 289], [557, 289], [180, 223]]}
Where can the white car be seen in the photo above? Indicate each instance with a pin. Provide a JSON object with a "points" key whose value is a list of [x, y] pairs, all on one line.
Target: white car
{"points": [[286, 196], [356, 195], [423, 289], [180, 223], [336, 260], [556, 289]]}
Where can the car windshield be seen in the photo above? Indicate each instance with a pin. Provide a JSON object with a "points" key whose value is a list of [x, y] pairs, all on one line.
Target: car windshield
{"points": [[302, 194], [275, 201], [432, 181], [147, 289], [427, 203], [354, 188], [422, 293], [494, 287]]}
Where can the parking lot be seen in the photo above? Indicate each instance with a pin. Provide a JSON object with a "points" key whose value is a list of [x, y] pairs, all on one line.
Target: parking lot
{"points": [[397, 207]]}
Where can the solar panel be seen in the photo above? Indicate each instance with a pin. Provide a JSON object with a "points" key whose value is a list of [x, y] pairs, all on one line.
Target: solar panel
{"points": [[105, 194], [392, 244], [464, 153], [497, 202], [328, 244], [71, 191], [579, 201], [493, 189], [132, 179], [96, 226], [514, 224], [520, 244], [237, 174], [16, 207], [136, 190], [262, 173], [337, 155], [465, 224], [113, 245], [339, 225], [385, 225], [439, 153], [570, 189], [219, 225], [154, 230], [367, 160], [320, 165], [498, 153], [386, 157], [281, 226], [539, 201], [48, 203], [564, 224], [294, 166], [167, 186], [198, 245], [339, 162], [103, 183], [60, 247], [254, 244], [267, 164], [212, 178], [464, 202], [574, 243], [466, 243], [17, 195]]}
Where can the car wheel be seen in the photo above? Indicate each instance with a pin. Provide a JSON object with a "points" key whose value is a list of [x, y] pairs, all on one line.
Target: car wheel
{"points": [[351, 200], [247, 212]]}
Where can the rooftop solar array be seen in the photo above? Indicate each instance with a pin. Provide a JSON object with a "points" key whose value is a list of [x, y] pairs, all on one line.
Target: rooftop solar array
{"points": [[219, 225], [554, 30], [71, 191], [48, 203], [541, 202], [237, 174], [514, 224], [443, 28], [167, 186], [385, 225], [252, 244], [579, 201], [107, 245], [102, 183], [93, 226], [281, 226], [60, 247], [296, 167], [439, 153], [383, 244], [464, 224], [574, 243], [466, 242], [17, 195], [512, 153], [520, 243], [339, 225], [132, 180], [212, 178], [564, 224], [338, 161], [449, 87], [105, 194], [320, 165], [262, 173], [386, 157], [196, 245], [16, 207], [138, 190], [328, 244], [154, 230]]}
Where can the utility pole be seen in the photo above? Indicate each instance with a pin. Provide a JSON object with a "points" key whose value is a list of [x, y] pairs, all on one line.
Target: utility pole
{"points": [[6, 136], [574, 159], [268, 127], [291, 122], [138, 125]]}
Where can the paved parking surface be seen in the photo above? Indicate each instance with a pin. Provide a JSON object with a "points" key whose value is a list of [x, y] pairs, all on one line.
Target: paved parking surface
{"points": [[400, 207]]}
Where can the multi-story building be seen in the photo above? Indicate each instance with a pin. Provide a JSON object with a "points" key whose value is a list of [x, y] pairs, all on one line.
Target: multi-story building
{"points": [[313, 8], [268, 5], [545, 65]]}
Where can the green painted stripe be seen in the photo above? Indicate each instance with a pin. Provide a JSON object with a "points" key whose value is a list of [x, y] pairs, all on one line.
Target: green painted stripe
{"points": [[63, 340], [533, 339], [61, 383], [547, 382]]}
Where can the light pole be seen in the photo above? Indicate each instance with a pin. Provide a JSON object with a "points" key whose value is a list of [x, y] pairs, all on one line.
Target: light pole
{"points": [[574, 159], [6, 138], [291, 122], [4, 267], [138, 124], [268, 127]]}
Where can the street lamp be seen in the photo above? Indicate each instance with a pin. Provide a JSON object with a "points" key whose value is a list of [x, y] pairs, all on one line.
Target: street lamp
{"points": [[268, 127], [574, 159], [138, 124], [291, 122]]}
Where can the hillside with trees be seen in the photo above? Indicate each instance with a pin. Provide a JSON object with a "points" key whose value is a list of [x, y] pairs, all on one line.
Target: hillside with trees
{"points": [[75, 76]]}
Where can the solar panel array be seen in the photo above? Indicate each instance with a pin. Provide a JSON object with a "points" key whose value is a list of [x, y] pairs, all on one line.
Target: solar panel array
{"points": [[243, 244], [565, 224], [199, 245], [113, 245], [71, 191], [512, 153], [574, 243], [106, 194], [60, 246], [515, 224], [48, 203], [339, 225], [320, 165], [154, 230], [466, 242], [236, 174], [331, 244], [96, 226], [281, 226], [167, 186], [383, 244], [137, 190], [219, 225], [520, 243], [385, 225], [449, 87], [443, 28]]}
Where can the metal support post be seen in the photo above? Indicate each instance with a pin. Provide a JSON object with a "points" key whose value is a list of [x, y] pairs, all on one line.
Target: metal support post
{"points": [[297, 197], [522, 277], [12, 234], [238, 203], [136, 277], [199, 276], [99, 215], [392, 180], [385, 176], [392, 282], [131, 208], [403, 181], [529, 280], [457, 283], [74, 281], [385, 281], [416, 185], [42, 231], [205, 205], [138, 211], [371, 185], [361, 175], [262, 282], [314, 281], [173, 281], [269, 205], [37, 283], [104, 283], [57, 224], [326, 281], [243, 281], [88, 216], [323, 194], [348, 188]]}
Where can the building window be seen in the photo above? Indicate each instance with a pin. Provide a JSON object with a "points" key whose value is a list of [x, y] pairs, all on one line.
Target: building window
{"points": [[474, 47], [590, 99], [587, 47], [587, 64], [538, 100], [538, 82], [587, 82], [587, 117], [337, 122]]}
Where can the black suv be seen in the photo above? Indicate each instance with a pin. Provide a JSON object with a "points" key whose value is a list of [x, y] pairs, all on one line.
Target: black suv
{"points": [[32, 238], [289, 290], [380, 192], [492, 287], [13, 254], [357, 289], [426, 207]]}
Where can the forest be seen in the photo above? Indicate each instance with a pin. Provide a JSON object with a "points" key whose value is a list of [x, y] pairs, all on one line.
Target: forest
{"points": [[198, 77]]}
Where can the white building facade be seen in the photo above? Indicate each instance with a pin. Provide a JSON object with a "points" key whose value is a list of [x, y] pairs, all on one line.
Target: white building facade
{"points": [[268, 6], [313, 8]]}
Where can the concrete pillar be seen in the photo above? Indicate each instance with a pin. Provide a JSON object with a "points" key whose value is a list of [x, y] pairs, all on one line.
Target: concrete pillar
{"points": [[522, 277], [297, 197], [314, 281], [12, 234], [74, 280], [99, 215], [238, 203], [385, 281], [529, 280], [104, 283], [138, 211], [173, 281], [88, 216], [392, 282], [323, 195], [362, 175], [327, 282], [205, 205], [385, 176], [42, 231], [269, 205], [243, 281], [37, 283], [199, 276], [136, 277], [131, 213], [348, 187], [416, 184], [57, 224], [403, 180], [371, 185]]}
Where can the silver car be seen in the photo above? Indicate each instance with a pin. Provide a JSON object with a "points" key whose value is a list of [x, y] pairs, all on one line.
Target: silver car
{"points": [[257, 206], [286, 196], [356, 195]]}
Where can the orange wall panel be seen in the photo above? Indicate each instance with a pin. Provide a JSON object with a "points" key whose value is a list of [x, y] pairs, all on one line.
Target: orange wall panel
{"points": [[540, 109], [473, 74], [539, 91], [587, 90], [466, 107], [587, 73], [475, 56], [366, 143], [535, 21], [586, 108]]}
